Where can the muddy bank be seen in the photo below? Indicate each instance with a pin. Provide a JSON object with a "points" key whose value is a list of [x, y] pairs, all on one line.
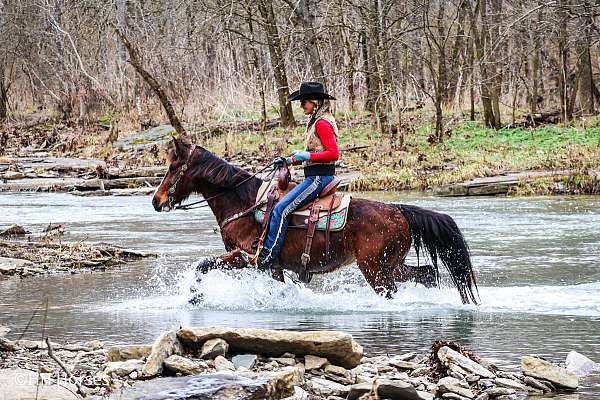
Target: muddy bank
{"points": [[199, 363]]}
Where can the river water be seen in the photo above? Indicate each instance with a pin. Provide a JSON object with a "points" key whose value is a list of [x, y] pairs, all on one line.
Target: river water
{"points": [[536, 260]]}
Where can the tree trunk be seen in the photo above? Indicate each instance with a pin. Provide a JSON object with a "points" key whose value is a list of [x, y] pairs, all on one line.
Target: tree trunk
{"points": [[349, 68], [257, 69], [304, 21], [454, 71], [277, 62], [382, 68], [481, 39], [442, 84], [367, 66], [439, 117], [3, 96], [563, 60], [3, 88], [585, 87]]}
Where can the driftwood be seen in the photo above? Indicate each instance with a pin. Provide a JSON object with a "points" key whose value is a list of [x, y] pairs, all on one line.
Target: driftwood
{"points": [[103, 249], [65, 369], [540, 118]]}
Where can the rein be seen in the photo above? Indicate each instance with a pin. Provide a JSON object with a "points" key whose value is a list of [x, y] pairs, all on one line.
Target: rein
{"points": [[204, 202]]}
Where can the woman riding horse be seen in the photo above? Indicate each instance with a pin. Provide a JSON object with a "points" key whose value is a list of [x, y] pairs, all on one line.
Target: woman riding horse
{"points": [[318, 159]]}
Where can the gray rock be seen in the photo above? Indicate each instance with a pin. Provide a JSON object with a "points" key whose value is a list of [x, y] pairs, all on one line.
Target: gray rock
{"points": [[339, 374], [132, 352], [213, 348], [453, 396], [218, 386], [538, 368], [425, 395], [405, 364], [403, 357], [537, 384], [313, 362], [223, 364], [472, 378], [13, 230], [8, 345], [448, 356], [512, 384], [164, 346], [464, 392], [499, 391], [288, 362], [4, 330], [483, 396], [245, 361], [421, 371], [10, 266], [123, 368], [22, 384], [448, 380], [146, 139], [359, 389], [396, 390], [338, 347], [325, 387], [94, 344], [36, 344], [184, 366], [580, 365]]}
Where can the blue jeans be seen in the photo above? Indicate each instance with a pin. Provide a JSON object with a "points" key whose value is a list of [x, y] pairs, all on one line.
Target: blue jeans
{"points": [[299, 196]]}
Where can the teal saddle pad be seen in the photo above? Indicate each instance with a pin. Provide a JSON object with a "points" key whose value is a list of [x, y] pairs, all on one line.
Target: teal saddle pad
{"points": [[338, 220]]}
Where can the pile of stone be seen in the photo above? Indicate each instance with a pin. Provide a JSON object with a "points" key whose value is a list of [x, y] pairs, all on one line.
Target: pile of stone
{"points": [[223, 363]]}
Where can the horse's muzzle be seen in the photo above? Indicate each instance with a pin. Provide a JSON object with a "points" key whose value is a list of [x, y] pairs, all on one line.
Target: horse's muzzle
{"points": [[157, 204]]}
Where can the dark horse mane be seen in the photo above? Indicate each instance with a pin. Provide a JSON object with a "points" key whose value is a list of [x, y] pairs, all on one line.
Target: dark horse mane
{"points": [[222, 174]]}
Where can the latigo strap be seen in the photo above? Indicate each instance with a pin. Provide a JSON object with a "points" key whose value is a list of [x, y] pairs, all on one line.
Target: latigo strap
{"points": [[313, 218]]}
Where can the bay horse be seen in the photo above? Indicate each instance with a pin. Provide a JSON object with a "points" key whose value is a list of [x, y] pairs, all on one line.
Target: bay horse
{"points": [[377, 236]]}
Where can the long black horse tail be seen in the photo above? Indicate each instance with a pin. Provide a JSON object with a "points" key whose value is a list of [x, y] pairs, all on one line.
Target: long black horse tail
{"points": [[440, 237]]}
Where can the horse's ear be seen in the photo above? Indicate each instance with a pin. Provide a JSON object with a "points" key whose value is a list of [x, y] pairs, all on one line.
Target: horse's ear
{"points": [[178, 147]]}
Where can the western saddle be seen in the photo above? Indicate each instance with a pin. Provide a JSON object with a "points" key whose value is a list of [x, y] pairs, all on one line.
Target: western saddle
{"points": [[327, 201]]}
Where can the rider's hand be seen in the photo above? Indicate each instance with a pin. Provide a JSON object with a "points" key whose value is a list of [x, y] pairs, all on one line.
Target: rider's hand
{"points": [[301, 155], [279, 161]]}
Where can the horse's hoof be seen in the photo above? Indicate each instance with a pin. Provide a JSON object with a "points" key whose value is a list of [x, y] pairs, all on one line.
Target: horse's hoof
{"points": [[206, 264], [196, 299]]}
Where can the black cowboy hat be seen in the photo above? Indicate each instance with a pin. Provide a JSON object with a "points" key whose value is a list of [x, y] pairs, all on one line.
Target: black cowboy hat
{"points": [[310, 91]]}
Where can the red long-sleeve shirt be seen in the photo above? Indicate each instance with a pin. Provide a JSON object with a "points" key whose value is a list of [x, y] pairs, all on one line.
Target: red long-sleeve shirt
{"points": [[326, 134]]}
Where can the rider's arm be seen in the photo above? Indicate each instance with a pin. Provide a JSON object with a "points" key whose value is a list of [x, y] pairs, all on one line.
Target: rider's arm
{"points": [[326, 134]]}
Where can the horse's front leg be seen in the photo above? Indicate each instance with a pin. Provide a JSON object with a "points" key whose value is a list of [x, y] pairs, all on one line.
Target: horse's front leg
{"points": [[235, 259]]}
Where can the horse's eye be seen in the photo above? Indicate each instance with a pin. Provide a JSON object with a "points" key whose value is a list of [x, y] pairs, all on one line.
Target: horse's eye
{"points": [[172, 168]]}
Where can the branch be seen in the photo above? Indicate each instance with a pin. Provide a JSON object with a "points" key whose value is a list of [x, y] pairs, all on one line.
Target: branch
{"points": [[134, 60], [64, 368]]}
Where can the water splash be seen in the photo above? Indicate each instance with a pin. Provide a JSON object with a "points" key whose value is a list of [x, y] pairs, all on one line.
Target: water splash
{"points": [[346, 291]]}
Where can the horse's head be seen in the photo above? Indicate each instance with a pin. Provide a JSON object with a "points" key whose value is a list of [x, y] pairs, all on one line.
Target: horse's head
{"points": [[176, 186]]}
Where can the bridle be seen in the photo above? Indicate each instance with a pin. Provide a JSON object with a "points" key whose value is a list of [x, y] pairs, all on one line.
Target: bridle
{"points": [[180, 174]]}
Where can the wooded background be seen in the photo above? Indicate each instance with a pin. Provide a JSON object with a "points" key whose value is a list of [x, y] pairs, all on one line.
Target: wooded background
{"points": [[493, 59]]}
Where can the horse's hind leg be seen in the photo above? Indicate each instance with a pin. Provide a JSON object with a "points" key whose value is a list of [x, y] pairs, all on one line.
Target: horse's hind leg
{"points": [[376, 269], [426, 275]]}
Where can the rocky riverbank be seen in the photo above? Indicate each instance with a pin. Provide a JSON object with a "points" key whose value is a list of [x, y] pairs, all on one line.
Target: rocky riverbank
{"points": [[24, 254], [224, 363]]}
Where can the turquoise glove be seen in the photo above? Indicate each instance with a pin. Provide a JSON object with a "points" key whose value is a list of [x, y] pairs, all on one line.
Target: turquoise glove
{"points": [[301, 155]]}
